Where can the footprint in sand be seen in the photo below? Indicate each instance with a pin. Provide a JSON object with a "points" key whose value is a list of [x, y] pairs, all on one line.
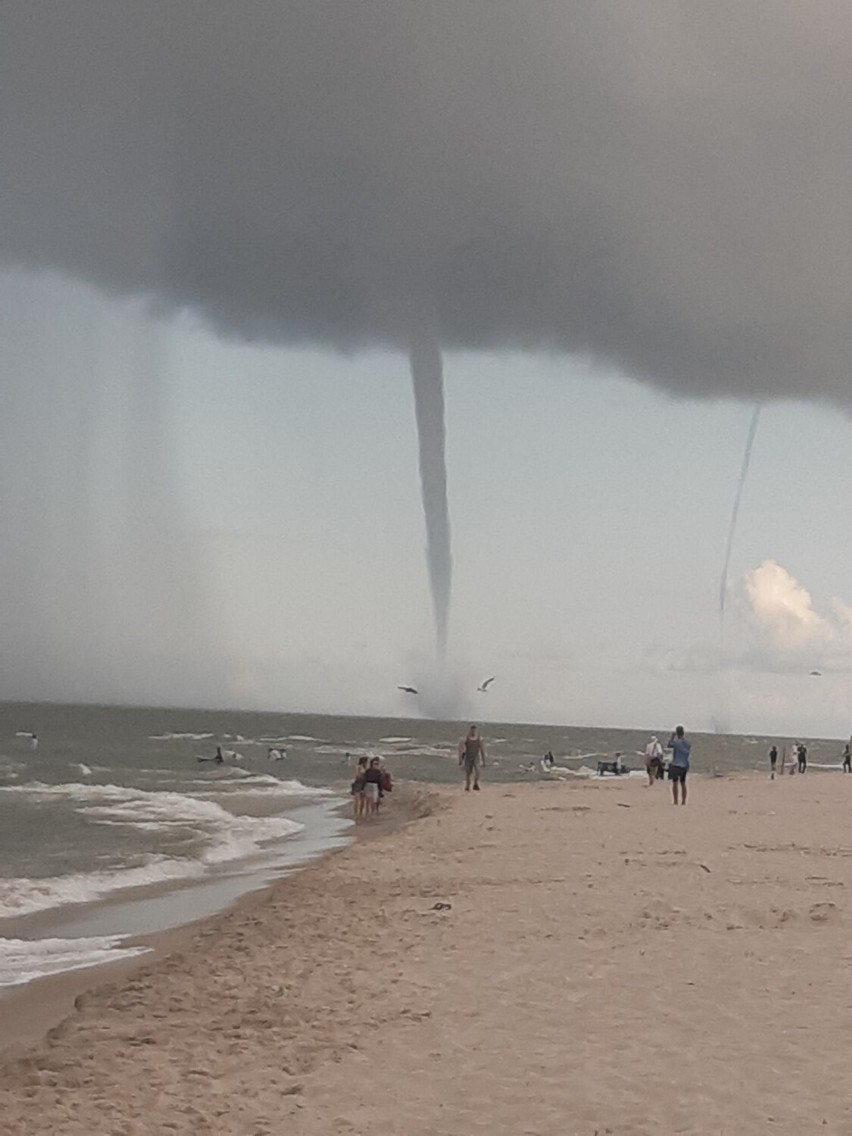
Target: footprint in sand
{"points": [[823, 912]]}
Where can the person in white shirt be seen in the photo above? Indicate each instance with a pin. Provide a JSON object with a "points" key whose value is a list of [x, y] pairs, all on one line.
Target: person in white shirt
{"points": [[653, 759]]}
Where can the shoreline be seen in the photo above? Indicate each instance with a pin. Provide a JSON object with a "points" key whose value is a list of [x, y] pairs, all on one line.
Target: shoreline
{"points": [[28, 1012], [546, 959]]}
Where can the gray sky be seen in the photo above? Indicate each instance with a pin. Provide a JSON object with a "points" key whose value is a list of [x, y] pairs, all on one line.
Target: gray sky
{"points": [[563, 194], [257, 539], [662, 184]]}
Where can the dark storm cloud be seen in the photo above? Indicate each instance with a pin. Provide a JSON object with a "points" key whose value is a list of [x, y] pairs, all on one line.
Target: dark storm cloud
{"points": [[662, 184]]}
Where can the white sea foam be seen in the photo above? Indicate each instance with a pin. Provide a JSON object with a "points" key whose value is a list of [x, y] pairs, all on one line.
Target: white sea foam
{"points": [[405, 750], [175, 737], [300, 738], [266, 787], [24, 960], [216, 835], [24, 896], [394, 741]]}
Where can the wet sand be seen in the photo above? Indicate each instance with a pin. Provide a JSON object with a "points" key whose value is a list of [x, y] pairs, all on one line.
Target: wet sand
{"points": [[608, 962]]}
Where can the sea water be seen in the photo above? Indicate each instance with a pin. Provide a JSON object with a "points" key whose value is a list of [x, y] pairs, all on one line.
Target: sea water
{"points": [[111, 826]]}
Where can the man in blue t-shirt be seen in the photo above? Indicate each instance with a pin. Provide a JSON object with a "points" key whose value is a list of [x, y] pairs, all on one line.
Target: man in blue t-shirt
{"points": [[680, 747]]}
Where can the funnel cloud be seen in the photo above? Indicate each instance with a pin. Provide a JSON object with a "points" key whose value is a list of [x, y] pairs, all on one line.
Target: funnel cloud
{"points": [[428, 379]]}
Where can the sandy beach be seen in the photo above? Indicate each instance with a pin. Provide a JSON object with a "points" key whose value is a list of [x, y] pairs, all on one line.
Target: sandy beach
{"points": [[607, 963]]}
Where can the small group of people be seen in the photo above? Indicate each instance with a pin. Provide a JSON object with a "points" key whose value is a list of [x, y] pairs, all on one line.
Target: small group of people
{"points": [[368, 789], [681, 748], [799, 758]]}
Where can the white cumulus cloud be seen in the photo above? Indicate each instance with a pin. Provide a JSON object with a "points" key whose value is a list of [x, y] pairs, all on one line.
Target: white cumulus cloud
{"points": [[784, 611]]}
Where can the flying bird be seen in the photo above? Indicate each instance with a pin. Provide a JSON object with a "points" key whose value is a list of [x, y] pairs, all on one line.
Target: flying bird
{"points": [[483, 687], [816, 674], [408, 689]]}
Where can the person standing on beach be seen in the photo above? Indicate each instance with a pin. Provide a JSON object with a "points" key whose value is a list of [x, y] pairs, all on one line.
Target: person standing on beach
{"points": [[803, 758], [472, 757], [373, 786], [773, 762], [653, 758], [847, 757], [680, 746], [359, 802]]}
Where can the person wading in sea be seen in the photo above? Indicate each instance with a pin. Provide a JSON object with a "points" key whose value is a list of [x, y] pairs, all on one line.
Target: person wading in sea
{"points": [[472, 757]]}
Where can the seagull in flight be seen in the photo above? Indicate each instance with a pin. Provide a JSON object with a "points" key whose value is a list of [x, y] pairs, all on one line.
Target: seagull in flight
{"points": [[408, 689], [483, 686], [816, 674]]}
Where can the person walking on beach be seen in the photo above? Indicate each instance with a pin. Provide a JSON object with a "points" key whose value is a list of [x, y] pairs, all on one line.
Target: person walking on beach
{"points": [[373, 786], [773, 762], [653, 758], [803, 758], [680, 746], [472, 757], [847, 758]]}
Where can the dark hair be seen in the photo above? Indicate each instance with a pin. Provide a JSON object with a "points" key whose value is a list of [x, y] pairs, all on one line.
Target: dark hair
{"points": [[679, 731]]}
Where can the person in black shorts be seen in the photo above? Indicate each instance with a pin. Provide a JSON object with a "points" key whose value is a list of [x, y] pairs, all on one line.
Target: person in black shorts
{"points": [[681, 747], [803, 758]]}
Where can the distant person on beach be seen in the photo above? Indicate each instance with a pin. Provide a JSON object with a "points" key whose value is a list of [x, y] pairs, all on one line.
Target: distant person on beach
{"points": [[547, 760], [219, 758], [653, 759], [359, 802], [472, 757], [680, 746], [803, 758], [773, 762], [372, 787], [847, 758]]}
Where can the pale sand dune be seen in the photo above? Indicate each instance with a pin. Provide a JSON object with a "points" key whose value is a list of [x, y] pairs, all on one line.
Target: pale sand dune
{"points": [[590, 977]]}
